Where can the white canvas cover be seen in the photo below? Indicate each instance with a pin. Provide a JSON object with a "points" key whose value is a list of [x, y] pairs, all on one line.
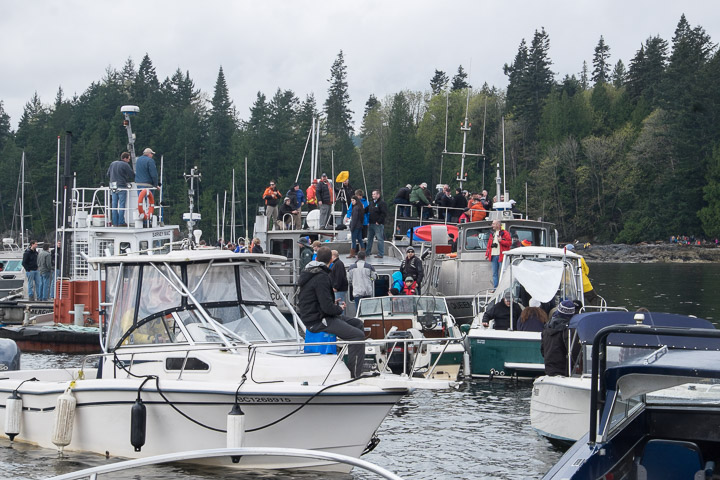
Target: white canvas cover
{"points": [[540, 279]]}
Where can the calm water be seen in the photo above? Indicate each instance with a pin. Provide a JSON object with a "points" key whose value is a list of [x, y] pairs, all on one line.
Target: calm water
{"points": [[481, 430]]}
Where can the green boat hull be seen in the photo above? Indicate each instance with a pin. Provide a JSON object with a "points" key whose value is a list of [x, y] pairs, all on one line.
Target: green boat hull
{"points": [[490, 357]]}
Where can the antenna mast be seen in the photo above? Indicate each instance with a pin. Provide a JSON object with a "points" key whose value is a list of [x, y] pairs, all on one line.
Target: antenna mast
{"points": [[465, 127]]}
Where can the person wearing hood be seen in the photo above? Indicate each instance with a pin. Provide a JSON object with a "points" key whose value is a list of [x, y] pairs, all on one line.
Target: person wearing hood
{"points": [[554, 343], [319, 312]]}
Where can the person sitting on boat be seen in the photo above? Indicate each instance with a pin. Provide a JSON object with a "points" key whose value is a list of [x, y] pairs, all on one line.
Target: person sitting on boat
{"points": [[397, 281], [499, 243], [256, 248], [287, 214], [554, 344], [297, 200], [501, 313], [412, 266], [588, 292], [241, 248], [532, 318], [320, 313]]}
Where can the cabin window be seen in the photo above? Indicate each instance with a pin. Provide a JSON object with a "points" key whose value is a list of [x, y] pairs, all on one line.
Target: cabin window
{"points": [[235, 319], [13, 266], [104, 245], [534, 236], [190, 363], [623, 409], [79, 264], [282, 247], [157, 330], [477, 238], [157, 295], [143, 247], [124, 247], [212, 283], [123, 310], [161, 246]]}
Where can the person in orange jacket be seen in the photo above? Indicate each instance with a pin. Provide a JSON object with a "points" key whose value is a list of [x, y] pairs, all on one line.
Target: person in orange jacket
{"points": [[497, 244], [271, 196], [311, 197], [476, 211]]}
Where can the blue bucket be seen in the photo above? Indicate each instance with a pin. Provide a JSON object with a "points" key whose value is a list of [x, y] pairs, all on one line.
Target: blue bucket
{"points": [[311, 337]]}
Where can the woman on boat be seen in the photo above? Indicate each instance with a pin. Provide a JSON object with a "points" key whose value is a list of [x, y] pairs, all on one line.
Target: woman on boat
{"points": [[532, 318], [356, 225]]}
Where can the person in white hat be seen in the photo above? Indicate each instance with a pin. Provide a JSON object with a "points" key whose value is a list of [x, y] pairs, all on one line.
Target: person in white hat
{"points": [[146, 174]]}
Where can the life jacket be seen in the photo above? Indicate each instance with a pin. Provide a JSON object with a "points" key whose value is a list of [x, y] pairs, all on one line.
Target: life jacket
{"points": [[310, 194], [409, 288], [463, 218]]}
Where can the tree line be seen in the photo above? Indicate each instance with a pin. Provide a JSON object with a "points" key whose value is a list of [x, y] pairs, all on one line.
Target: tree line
{"points": [[610, 153]]}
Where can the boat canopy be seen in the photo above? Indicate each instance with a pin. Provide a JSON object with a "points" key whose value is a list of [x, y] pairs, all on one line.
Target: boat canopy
{"points": [[540, 279], [588, 324]]}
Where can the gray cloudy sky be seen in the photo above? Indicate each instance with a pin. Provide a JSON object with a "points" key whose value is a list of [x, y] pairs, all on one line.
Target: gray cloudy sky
{"points": [[262, 45]]}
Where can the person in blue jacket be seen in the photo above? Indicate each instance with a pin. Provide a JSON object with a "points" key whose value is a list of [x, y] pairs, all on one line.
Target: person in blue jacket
{"points": [[146, 174]]}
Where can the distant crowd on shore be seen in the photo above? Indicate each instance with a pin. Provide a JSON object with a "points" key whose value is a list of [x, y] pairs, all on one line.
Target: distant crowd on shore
{"points": [[691, 240]]}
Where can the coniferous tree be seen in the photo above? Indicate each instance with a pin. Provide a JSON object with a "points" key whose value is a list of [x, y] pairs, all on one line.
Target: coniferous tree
{"points": [[515, 73], [537, 81], [439, 82], [584, 81], [601, 65], [459, 81], [338, 117], [618, 74], [371, 103], [5, 131], [221, 130]]}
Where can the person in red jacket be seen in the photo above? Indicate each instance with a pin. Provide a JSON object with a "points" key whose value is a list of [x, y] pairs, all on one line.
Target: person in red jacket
{"points": [[497, 244]]}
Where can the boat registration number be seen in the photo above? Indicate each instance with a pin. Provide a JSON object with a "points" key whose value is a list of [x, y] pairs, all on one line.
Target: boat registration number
{"points": [[264, 399]]}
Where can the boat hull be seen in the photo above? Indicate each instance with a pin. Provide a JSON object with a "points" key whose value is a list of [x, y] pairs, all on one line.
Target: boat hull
{"points": [[505, 353], [560, 407], [340, 420]]}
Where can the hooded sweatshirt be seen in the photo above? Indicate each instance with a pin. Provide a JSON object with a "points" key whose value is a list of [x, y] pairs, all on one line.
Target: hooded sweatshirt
{"points": [[554, 346], [316, 299]]}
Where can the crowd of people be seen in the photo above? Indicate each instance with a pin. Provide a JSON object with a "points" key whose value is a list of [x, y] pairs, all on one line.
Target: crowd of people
{"points": [[459, 206]]}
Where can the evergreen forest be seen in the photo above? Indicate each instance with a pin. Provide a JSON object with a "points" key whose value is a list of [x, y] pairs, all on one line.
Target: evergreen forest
{"points": [[615, 152]]}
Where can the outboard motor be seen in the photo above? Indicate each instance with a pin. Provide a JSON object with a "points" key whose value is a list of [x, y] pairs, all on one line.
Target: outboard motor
{"points": [[399, 361], [9, 355]]}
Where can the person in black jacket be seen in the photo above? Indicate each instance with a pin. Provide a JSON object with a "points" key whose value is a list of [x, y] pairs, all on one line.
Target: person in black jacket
{"points": [[324, 199], [402, 197], [412, 266], [460, 204], [356, 223], [320, 313], [30, 264], [338, 277], [554, 340], [378, 212], [501, 313]]}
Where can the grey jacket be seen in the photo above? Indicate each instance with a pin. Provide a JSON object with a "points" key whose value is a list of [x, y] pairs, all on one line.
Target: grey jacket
{"points": [[361, 275], [44, 262]]}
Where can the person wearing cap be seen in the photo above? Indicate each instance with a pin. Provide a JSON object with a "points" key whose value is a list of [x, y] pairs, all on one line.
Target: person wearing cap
{"points": [[146, 174], [320, 312], [271, 196], [589, 294], [402, 198], [497, 244], [412, 266], [554, 340], [503, 312], [419, 200], [323, 193], [377, 211]]}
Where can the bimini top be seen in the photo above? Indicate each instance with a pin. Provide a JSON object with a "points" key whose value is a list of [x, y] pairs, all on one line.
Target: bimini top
{"points": [[184, 256], [588, 324], [539, 251]]}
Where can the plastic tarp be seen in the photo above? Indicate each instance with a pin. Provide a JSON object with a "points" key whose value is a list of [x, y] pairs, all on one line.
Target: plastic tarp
{"points": [[540, 279]]}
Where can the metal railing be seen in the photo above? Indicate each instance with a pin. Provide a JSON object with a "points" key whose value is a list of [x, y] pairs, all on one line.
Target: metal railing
{"points": [[94, 472]]}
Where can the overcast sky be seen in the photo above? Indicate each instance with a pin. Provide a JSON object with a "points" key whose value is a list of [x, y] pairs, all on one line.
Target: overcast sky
{"points": [[262, 45]]}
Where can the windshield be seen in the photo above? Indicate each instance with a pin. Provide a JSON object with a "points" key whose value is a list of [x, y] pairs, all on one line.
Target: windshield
{"points": [[476, 238], [402, 304]]}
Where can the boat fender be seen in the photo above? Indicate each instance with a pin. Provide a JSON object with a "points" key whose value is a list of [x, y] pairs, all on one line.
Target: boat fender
{"points": [[13, 415], [151, 204], [235, 429], [138, 422], [64, 419], [466, 365]]}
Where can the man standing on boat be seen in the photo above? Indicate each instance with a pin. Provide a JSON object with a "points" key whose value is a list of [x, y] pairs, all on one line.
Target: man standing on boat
{"points": [[320, 313], [497, 244], [121, 176], [45, 270], [377, 211], [146, 174], [361, 275], [271, 196], [30, 264], [412, 266], [324, 199]]}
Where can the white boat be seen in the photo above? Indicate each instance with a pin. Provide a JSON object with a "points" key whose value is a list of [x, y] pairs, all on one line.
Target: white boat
{"points": [[422, 337], [559, 406], [187, 336]]}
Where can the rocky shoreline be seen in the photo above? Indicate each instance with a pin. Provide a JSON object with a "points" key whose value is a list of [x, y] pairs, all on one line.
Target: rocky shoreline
{"points": [[650, 253]]}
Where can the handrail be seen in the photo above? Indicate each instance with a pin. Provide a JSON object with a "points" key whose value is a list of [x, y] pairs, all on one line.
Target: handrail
{"points": [[93, 472]]}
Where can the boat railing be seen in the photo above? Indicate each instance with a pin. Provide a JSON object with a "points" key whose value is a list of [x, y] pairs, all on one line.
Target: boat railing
{"points": [[186, 350], [233, 453], [93, 206]]}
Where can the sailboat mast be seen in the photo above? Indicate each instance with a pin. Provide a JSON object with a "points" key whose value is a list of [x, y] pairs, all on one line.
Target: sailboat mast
{"points": [[22, 201], [232, 210]]}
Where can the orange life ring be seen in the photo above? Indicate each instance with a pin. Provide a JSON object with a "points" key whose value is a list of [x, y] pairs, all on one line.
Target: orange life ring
{"points": [[151, 200]]}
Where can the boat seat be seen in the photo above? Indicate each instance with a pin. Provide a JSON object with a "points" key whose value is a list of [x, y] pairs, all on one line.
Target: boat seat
{"points": [[672, 459], [311, 337]]}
